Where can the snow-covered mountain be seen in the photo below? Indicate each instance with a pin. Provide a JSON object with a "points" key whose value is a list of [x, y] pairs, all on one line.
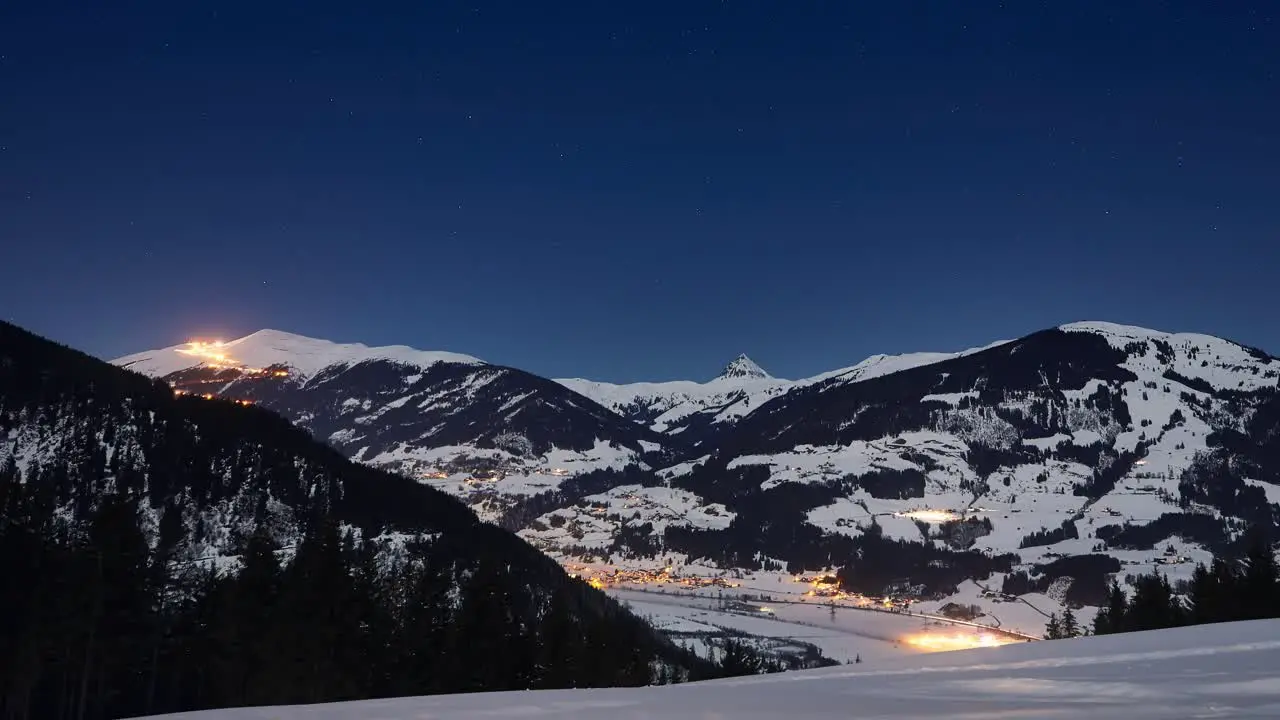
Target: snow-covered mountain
{"points": [[473, 428], [301, 356], [1036, 467], [682, 406], [701, 410]]}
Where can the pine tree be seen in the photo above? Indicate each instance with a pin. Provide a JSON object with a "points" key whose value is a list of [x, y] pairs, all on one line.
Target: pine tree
{"points": [[1154, 604], [1113, 618], [1070, 628], [1053, 630], [1259, 597], [248, 625]]}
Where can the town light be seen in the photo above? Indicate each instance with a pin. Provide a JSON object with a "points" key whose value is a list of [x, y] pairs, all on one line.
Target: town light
{"points": [[930, 516], [942, 642]]}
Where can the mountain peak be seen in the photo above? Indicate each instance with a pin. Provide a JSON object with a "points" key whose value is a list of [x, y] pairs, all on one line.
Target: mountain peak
{"points": [[743, 367]]}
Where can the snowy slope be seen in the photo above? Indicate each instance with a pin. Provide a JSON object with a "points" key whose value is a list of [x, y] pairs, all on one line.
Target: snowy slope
{"points": [[878, 365], [1223, 364], [267, 348], [1211, 671]]}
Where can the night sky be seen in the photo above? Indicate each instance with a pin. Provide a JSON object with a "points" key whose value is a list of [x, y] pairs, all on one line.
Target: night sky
{"points": [[633, 191]]}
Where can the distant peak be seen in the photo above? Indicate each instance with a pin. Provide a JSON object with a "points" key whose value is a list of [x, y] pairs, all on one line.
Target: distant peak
{"points": [[270, 334], [743, 367]]}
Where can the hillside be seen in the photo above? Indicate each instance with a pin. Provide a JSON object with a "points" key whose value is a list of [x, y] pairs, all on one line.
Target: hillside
{"points": [[143, 501], [1036, 467], [480, 430], [1209, 671], [1031, 469]]}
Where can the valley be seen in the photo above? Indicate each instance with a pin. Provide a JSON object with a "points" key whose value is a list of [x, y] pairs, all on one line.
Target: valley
{"points": [[1019, 474]]}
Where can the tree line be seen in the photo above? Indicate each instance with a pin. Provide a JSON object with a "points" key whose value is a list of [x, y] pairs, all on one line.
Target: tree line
{"points": [[101, 624], [1227, 590]]}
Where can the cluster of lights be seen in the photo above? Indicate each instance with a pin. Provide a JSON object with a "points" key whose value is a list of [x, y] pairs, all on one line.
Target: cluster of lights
{"points": [[210, 396], [827, 586], [930, 516], [667, 576], [210, 352], [943, 642], [214, 354]]}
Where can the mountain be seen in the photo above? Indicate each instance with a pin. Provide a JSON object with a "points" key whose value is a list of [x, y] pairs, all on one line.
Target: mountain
{"points": [[1033, 468], [125, 510], [699, 412], [686, 408], [476, 428], [743, 367]]}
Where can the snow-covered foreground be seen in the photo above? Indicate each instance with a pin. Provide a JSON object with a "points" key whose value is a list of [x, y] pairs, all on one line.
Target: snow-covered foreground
{"points": [[1214, 671]]}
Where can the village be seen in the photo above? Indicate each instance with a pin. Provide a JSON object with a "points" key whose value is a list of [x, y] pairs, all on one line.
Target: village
{"points": [[824, 588], [615, 577]]}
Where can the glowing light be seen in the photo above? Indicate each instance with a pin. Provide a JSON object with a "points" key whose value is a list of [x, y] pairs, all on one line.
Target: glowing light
{"points": [[210, 352], [765, 609], [596, 583], [214, 354], [944, 642], [930, 516]]}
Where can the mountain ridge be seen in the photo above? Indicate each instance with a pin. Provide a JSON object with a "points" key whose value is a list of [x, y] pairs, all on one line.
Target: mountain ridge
{"points": [[998, 461]]}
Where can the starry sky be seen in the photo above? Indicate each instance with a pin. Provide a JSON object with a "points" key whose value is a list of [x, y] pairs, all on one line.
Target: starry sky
{"points": [[630, 191]]}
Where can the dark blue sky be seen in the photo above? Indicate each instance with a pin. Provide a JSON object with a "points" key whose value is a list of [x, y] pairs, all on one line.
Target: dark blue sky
{"points": [[638, 190]]}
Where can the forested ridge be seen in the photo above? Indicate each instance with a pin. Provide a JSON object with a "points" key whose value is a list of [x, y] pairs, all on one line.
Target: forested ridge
{"points": [[1231, 588], [166, 553]]}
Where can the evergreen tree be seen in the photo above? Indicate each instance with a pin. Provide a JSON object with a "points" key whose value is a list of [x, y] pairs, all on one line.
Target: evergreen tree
{"points": [[1053, 629], [1070, 628], [1114, 617], [1154, 604], [1259, 597]]}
